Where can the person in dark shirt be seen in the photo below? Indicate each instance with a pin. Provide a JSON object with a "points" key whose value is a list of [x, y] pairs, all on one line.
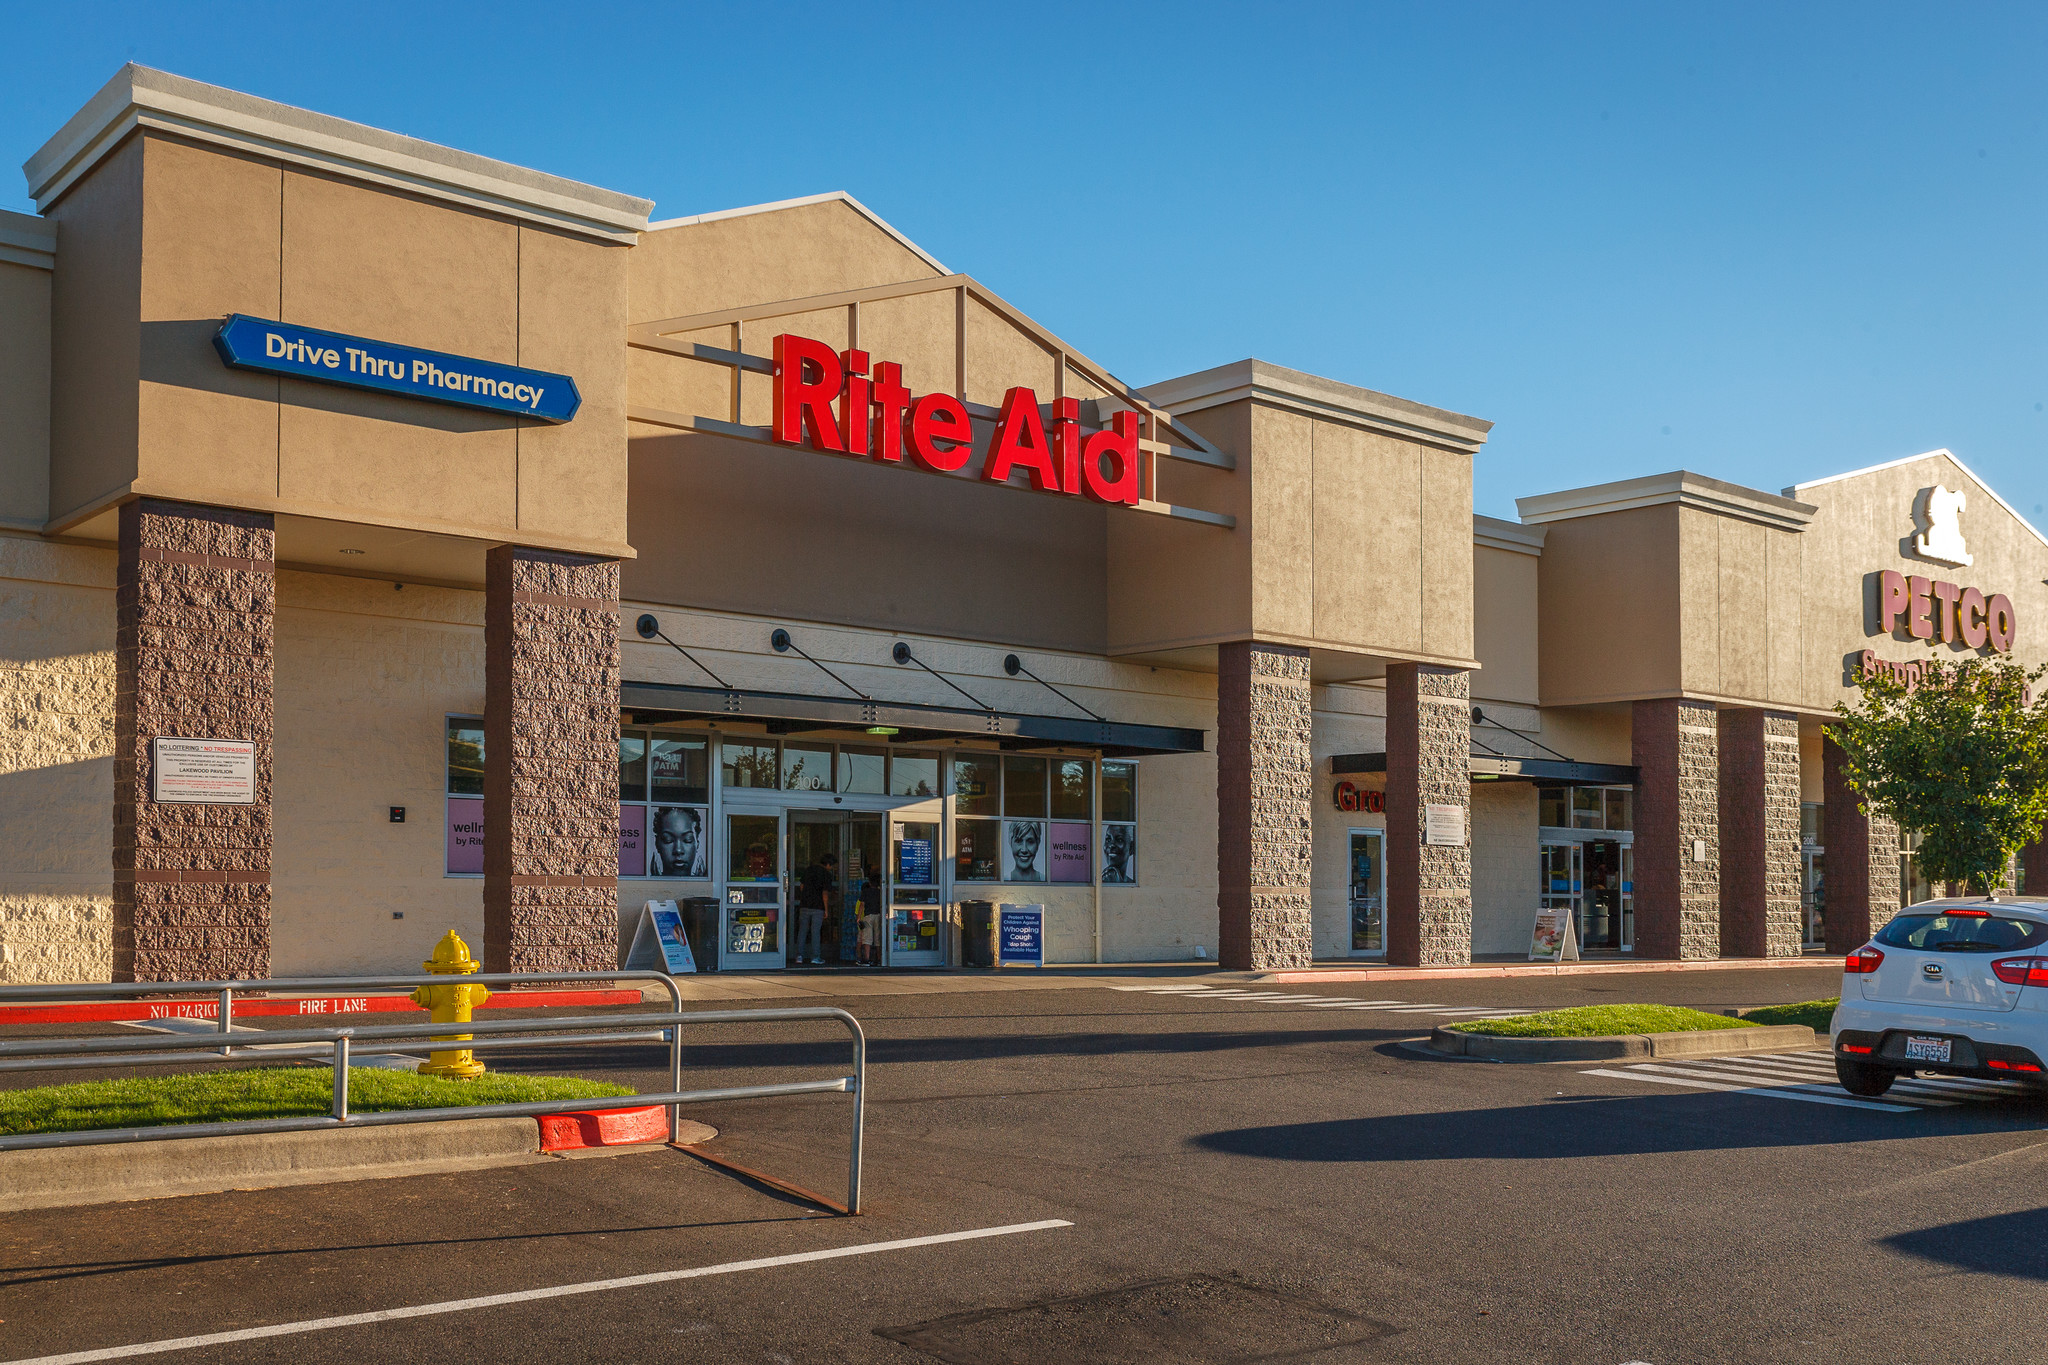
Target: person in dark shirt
{"points": [[814, 897]]}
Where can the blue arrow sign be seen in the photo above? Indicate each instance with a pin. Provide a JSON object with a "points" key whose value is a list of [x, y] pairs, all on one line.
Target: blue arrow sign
{"points": [[359, 363]]}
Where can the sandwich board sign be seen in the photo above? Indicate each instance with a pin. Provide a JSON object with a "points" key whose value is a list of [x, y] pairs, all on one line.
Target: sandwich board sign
{"points": [[1556, 938], [1020, 936], [659, 943]]}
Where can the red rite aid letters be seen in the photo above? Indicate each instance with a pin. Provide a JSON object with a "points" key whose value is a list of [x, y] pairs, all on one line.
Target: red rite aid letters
{"points": [[827, 400], [1942, 611]]}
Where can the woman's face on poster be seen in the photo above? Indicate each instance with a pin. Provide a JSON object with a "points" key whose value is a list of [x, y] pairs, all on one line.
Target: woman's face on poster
{"points": [[677, 840], [1024, 840]]}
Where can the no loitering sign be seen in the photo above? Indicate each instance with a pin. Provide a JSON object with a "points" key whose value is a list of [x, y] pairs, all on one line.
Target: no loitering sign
{"points": [[214, 772]]}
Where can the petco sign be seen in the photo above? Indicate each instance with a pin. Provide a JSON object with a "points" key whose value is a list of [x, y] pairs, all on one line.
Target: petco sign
{"points": [[831, 401]]}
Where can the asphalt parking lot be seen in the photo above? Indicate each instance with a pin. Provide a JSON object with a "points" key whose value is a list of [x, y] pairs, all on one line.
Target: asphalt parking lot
{"points": [[1157, 1176]]}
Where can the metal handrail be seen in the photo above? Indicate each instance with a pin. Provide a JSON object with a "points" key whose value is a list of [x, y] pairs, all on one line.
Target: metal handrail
{"points": [[225, 990], [59, 1053]]}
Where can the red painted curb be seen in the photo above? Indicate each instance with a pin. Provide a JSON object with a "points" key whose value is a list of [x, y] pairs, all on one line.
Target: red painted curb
{"points": [[114, 1011], [603, 1128], [1725, 964]]}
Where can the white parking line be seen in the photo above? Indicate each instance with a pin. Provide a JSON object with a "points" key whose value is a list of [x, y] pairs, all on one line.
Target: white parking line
{"points": [[286, 1329]]}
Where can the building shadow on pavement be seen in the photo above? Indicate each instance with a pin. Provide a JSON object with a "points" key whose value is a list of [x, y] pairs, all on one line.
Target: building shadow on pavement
{"points": [[1590, 1126], [2004, 1244]]}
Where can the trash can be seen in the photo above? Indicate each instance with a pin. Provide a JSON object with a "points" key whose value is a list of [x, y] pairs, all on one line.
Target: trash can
{"points": [[700, 925], [978, 933]]}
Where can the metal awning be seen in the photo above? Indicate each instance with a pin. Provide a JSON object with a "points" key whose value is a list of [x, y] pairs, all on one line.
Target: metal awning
{"points": [[1550, 772], [902, 721]]}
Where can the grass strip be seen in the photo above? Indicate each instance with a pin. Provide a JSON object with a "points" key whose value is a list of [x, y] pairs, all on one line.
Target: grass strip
{"points": [[1818, 1015], [266, 1093], [1601, 1021]]}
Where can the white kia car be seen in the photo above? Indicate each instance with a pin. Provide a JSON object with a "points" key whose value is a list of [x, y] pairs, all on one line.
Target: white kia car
{"points": [[1958, 987]]}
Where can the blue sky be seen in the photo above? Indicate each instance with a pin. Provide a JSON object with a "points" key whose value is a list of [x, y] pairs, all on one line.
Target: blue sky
{"points": [[1763, 242]]}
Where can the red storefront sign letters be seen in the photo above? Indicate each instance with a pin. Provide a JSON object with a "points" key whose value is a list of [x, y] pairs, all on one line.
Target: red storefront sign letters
{"points": [[1942, 611], [829, 401], [1352, 797]]}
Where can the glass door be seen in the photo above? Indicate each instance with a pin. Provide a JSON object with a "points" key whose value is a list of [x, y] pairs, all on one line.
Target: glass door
{"points": [[755, 937], [1368, 895], [1560, 872], [1600, 877], [1813, 901], [916, 904], [1628, 897]]}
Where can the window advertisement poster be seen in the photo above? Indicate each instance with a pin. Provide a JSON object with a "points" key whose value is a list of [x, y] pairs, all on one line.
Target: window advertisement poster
{"points": [[1072, 852], [1119, 855], [676, 845], [1023, 850], [1020, 936], [465, 836], [632, 841]]}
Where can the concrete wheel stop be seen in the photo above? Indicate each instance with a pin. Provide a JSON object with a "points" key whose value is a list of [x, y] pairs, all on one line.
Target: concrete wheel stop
{"points": [[1722, 1042]]}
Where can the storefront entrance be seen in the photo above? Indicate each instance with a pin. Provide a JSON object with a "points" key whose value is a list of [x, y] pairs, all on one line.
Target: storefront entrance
{"points": [[1595, 879], [808, 888]]}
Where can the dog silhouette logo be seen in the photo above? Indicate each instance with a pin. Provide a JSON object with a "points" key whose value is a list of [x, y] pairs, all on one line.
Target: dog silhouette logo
{"points": [[1942, 542]]}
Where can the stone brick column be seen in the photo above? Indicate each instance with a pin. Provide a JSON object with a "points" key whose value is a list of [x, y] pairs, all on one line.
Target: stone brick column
{"points": [[551, 756], [195, 598], [1678, 892], [1265, 790], [1860, 879], [1429, 763], [1759, 834]]}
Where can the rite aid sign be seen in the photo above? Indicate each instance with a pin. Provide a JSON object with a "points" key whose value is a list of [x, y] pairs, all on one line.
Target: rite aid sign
{"points": [[354, 362], [830, 401]]}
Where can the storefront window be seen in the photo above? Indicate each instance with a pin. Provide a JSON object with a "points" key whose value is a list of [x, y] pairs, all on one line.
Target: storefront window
{"points": [[1550, 807], [1022, 818], [1620, 808], [664, 805], [465, 756], [860, 771], [749, 764], [1119, 824], [1586, 808], [1812, 820], [1023, 786], [979, 856], [806, 767], [977, 784], [913, 774], [1071, 799], [463, 804], [1913, 888]]}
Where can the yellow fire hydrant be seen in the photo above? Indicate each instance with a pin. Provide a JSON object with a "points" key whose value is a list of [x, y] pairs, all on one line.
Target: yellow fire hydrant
{"points": [[451, 1004]]}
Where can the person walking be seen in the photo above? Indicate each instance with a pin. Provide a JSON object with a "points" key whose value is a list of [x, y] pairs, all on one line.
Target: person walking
{"points": [[814, 898]]}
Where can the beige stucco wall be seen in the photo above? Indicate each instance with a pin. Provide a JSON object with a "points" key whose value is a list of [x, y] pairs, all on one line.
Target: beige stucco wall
{"points": [[1505, 608], [24, 395], [365, 675], [96, 335], [1608, 616], [56, 761], [1504, 866]]}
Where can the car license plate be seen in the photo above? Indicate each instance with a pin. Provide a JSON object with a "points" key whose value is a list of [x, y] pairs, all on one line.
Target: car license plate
{"points": [[1927, 1049]]}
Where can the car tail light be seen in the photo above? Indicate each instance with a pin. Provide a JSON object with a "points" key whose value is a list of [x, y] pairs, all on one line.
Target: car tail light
{"points": [[1967, 914], [2021, 971], [2000, 1064], [1856, 1047], [1864, 959]]}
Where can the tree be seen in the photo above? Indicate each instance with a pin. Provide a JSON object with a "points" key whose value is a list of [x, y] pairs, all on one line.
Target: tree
{"points": [[1958, 753]]}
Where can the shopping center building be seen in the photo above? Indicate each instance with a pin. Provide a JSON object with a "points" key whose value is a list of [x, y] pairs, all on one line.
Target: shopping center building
{"points": [[392, 540]]}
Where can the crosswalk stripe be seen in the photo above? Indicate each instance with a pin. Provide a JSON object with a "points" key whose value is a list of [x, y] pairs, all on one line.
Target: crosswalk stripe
{"points": [[1967, 1087], [1775, 1081], [1766, 1092]]}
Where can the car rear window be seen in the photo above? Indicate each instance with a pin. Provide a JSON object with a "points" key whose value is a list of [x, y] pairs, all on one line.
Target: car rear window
{"points": [[1963, 933]]}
